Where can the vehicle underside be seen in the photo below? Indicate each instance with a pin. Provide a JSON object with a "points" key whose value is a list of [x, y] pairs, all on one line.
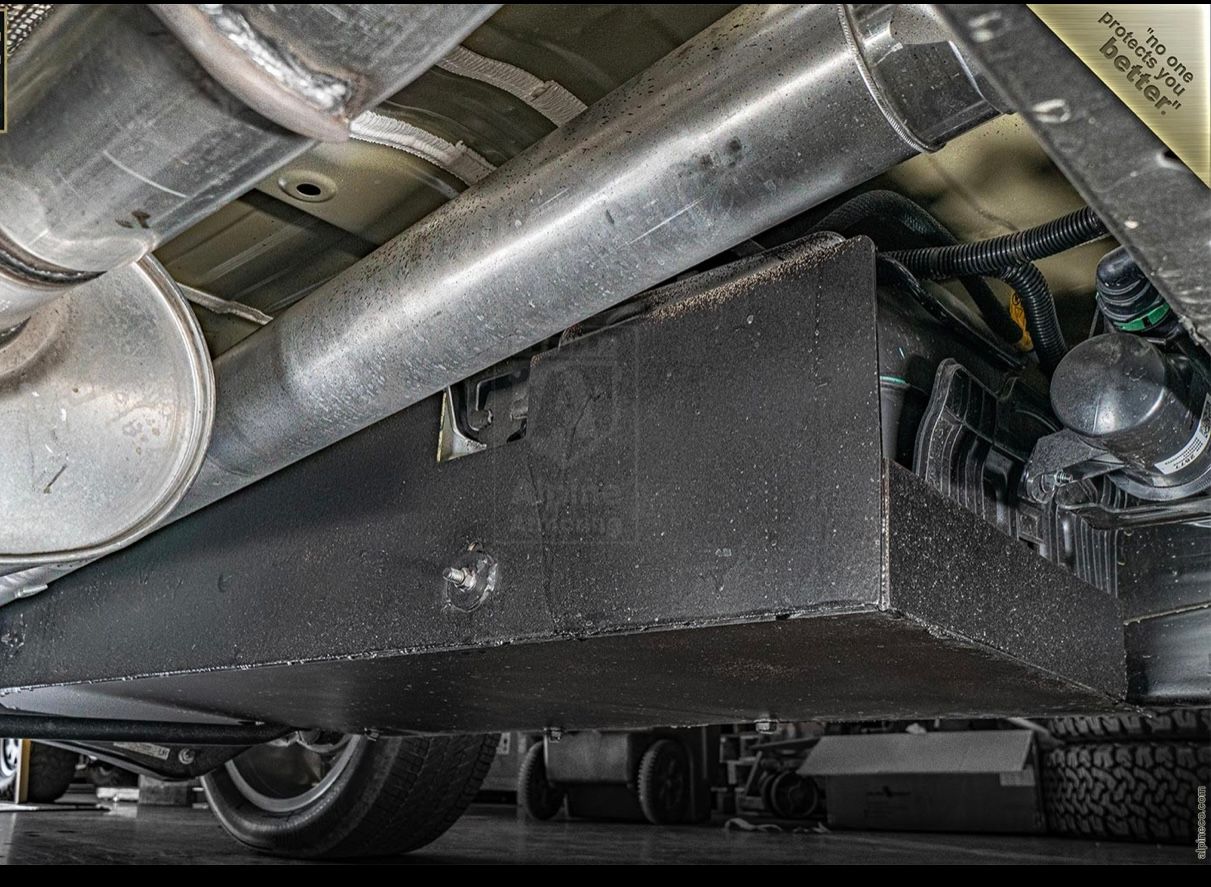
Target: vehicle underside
{"points": [[375, 379]]}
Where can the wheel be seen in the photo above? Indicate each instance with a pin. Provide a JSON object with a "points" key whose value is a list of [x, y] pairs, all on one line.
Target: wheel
{"points": [[321, 795], [787, 795], [1145, 791], [538, 798], [10, 758], [664, 782], [51, 770], [1174, 723]]}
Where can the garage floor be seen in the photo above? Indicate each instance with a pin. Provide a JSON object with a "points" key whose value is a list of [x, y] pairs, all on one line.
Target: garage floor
{"points": [[496, 834]]}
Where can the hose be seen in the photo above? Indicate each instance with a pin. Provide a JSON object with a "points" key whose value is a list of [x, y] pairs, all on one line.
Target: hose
{"points": [[892, 273], [1008, 257], [915, 219], [1044, 325], [994, 255]]}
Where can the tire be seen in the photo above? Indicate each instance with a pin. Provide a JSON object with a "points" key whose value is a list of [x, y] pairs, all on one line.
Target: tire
{"points": [[10, 750], [51, 771], [1141, 791], [538, 798], [1174, 723], [391, 796], [664, 782]]}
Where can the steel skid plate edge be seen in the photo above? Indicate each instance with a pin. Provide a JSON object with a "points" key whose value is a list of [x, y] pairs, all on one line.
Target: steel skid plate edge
{"points": [[697, 527]]}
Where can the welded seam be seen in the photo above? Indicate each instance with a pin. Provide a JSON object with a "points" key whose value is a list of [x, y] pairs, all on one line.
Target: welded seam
{"points": [[261, 71], [320, 90], [17, 264]]}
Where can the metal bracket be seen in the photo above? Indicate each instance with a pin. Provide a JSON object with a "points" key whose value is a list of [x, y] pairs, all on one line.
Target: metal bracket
{"points": [[1060, 461]]}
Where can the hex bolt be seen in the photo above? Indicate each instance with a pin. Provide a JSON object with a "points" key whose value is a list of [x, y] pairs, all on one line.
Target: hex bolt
{"points": [[470, 579], [461, 577], [187, 756]]}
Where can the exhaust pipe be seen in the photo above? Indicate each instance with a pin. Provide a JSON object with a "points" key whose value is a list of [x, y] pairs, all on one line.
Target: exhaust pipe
{"points": [[769, 112], [118, 139]]}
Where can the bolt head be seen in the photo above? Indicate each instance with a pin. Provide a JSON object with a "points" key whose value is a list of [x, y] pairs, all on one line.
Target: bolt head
{"points": [[460, 576], [470, 580], [187, 756]]}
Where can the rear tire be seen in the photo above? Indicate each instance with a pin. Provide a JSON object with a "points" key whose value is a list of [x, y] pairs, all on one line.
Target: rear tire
{"points": [[51, 771], [1142, 791], [390, 796]]}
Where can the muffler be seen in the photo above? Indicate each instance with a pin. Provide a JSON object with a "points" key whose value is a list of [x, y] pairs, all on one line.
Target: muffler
{"points": [[121, 136]]}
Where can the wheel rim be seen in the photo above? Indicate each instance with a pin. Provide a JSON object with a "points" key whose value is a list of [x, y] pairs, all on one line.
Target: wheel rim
{"points": [[290, 773], [10, 757]]}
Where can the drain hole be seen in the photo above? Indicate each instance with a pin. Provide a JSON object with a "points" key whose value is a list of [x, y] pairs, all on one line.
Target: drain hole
{"points": [[307, 185]]}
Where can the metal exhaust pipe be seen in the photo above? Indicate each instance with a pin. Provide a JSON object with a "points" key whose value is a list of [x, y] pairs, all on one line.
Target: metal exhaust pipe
{"points": [[118, 139], [765, 114]]}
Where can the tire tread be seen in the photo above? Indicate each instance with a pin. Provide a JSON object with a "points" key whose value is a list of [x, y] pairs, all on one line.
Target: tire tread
{"points": [[405, 793], [1139, 791], [1174, 723]]}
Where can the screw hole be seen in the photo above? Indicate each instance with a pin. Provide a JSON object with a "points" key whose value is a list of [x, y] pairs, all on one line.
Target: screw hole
{"points": [[309, 189]]}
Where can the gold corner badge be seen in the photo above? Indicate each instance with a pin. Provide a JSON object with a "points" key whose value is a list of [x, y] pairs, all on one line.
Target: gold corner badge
{"points": [[1156, 58]]}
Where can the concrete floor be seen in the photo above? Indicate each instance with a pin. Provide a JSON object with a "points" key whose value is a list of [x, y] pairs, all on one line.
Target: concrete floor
{"points": [[491, 834]]}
